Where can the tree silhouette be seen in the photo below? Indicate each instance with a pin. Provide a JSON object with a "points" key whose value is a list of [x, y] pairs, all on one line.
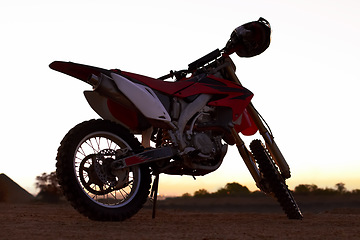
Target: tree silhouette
{"points": [[341, 187], [306, 189], [201, 193], [50, 190], [233, 188], [186, 195]]}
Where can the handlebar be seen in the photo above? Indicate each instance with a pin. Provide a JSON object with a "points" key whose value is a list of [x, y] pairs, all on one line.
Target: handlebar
{"points": [[205, 59], [194, 65]]}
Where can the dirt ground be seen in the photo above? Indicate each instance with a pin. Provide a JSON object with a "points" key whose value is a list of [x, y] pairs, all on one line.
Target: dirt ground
{"points": [[217, 219]]}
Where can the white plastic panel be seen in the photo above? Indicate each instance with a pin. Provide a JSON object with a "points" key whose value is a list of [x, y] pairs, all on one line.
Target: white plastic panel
{"points": [[143, 98]]}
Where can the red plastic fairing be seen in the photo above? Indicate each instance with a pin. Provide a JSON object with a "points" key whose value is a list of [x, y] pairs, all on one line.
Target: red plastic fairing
{"points": [[160, 85], [247, 125], [233, 95]]}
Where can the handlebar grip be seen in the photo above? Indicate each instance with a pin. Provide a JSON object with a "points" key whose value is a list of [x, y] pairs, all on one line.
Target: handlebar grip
{"points": [[205, 59]]}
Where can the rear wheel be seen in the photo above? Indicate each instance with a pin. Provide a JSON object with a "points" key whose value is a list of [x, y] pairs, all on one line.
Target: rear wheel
{"points": [[87, 179], [274, 181]]}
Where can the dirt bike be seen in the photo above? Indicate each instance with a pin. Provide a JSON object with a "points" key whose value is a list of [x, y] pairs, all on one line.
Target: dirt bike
{"points": [[186, 125]]}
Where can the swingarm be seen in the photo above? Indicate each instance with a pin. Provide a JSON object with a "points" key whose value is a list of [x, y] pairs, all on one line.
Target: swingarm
{"points": [[147, 156]]}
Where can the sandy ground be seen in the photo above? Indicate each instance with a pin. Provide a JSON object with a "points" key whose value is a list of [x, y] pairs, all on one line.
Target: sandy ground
{"points": [[174, 221]]}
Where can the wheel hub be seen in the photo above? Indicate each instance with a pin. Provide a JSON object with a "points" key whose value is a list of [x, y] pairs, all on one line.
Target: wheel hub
{"points": [[97, 176]]}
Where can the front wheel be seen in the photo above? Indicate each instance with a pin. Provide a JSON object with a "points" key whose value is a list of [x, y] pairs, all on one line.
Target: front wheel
{"points": [[84, 171], [273, 180]]}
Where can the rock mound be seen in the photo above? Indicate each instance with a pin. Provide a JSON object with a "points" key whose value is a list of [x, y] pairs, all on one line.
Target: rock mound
{"points": [[11, 192]]}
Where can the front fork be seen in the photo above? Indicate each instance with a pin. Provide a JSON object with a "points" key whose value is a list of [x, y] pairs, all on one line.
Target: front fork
{"points": [[247, 157], [270, 145], [269, 139]]}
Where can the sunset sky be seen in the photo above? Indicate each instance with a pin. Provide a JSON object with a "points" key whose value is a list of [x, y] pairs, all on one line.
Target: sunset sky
{"points": [[306, 84]]}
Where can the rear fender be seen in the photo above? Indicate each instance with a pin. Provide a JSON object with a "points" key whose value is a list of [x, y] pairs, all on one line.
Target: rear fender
{"points": [[76, 70]]}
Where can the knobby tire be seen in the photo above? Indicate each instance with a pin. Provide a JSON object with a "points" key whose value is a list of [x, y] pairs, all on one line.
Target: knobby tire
{"points": [[71, 186], [275, 182]]}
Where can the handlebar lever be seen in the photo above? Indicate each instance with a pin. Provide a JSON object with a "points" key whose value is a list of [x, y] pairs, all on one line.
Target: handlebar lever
{"points": [[177, 74], [170, 75]]}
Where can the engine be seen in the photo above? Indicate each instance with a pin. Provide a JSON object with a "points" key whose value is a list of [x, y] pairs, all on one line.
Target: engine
{"points": [[199, 137], [202, 142], [205, 150]]}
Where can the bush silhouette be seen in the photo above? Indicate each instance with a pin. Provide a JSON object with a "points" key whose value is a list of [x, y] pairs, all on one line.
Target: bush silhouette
{"points": [[312, 189], [236, 189]]}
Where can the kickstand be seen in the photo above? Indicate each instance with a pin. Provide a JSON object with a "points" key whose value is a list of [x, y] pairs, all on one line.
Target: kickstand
{"points": [[154, 192]]}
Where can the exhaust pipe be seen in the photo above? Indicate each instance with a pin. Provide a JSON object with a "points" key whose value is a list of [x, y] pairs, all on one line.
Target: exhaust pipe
{"points": [[106, 87], [93, 80]]}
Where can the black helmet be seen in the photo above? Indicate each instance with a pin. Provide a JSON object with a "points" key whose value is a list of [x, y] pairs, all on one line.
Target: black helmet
{"points": [[250, 39]]}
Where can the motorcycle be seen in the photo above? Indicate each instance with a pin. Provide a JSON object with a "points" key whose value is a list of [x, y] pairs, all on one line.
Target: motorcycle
{"points": [[186, 125]]}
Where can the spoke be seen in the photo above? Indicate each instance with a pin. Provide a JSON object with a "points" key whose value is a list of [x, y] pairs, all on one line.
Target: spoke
{"points": [[114, 196], [90, 144], [77, 164], [86, 169], [86, 177], [122, 190], [122, 195], [81, 151], [94, 197], [109, 143], [97, 144]]}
